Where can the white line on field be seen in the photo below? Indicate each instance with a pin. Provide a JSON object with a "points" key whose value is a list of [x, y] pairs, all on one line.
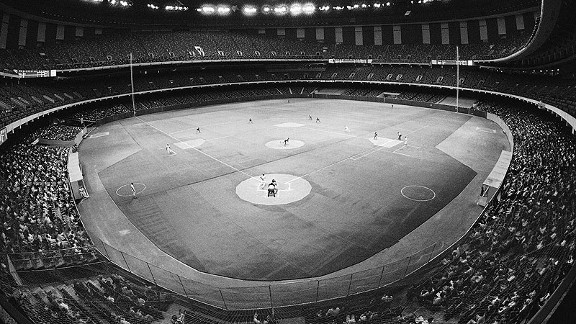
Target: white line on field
{"points": [[197, 150]]}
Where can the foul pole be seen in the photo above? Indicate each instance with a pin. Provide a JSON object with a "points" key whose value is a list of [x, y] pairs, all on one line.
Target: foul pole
{"points": [[132, 85], [457, 79]]}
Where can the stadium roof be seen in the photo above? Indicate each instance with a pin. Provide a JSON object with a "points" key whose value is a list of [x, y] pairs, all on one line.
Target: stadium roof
{"points": [[267, 12]]}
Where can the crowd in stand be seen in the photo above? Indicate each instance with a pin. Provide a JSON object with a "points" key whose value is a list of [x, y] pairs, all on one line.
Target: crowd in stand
{"points": [[524, 244], [111, 298], [115, 49], [58, 132], [380, 309], [37, 210], [22, 100]]}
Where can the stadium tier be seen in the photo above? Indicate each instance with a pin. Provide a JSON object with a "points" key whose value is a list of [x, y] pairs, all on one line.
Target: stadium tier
{"points": [[112, 50], [20, 99]]}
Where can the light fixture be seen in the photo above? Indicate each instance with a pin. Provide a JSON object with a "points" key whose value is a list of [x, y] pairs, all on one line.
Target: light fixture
{"points": [[249, 10], [308, 8], [266, 9], [223, 10], [207, 9], [280, 10], [295, 9], [175, 8]]}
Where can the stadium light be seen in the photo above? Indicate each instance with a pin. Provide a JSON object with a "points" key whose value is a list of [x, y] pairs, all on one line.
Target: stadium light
{"points": [[175, 8], [324, 8], [280, 10], [266, 9], [308, 8], [120, 3], [295, 9], [223, 10], [249, 10], [152, 6], [207, 9]]}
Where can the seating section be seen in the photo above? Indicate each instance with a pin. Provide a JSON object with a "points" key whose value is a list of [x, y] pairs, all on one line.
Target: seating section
{"points": [[58, 132], [110, 298], [524, 244], [116, 49], [22, 100], [41, 227]]}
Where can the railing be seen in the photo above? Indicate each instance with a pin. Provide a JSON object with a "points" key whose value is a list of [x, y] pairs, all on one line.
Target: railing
{"points": [[52, 258], [268, 294]]}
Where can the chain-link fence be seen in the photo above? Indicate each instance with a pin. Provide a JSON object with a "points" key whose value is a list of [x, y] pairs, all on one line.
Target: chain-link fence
{"points": [[276, 294]]}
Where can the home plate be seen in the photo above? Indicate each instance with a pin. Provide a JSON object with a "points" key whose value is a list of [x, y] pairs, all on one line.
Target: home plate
{"points": [[290, 189], [385, 142], [190, 144], [289, 125]]}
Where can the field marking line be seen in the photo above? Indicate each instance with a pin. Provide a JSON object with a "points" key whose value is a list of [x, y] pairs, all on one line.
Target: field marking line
{"points": [[197, 150], [402, 154], [354, 157], [362, 155], [130, 194], [335, 163], [318, 170], [330, 132]]}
